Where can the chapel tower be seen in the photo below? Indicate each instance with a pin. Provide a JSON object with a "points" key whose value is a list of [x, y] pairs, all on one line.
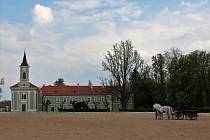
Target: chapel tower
{"points": [[24, 94], [24, 72]]}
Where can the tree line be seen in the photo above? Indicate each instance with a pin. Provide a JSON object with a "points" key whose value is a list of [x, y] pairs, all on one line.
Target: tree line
{"points": [[173, 78]]}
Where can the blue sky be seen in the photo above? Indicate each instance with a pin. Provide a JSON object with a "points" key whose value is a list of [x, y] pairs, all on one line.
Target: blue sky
{"points": [[21, 11], [69, 39]]}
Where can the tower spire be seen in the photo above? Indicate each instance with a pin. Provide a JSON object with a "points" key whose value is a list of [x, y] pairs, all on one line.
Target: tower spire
{"points": [[24, 62]]}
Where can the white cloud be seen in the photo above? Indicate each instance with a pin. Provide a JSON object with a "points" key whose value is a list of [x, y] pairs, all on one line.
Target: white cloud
{"points": [[200, 45], [196, 17], [42, 15], [99, 10], [79, 5], [193, 6], [74, 46]]}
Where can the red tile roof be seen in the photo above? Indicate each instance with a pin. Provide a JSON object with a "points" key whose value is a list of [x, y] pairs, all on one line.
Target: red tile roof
{"points": [[17, 85], [72, 90]]}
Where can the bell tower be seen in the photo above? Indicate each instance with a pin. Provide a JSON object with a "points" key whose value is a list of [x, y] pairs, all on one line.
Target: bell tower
{"points": [[25, 95], [24, 72]]}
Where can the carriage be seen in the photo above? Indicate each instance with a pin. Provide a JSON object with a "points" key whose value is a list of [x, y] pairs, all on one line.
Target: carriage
{"points": [[187, 114], [182, 113]]}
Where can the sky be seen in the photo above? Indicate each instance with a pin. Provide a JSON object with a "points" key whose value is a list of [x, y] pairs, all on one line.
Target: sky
{"points": [[69, 38]]}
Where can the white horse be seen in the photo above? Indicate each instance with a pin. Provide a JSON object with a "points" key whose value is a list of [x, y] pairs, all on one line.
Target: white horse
{"points": [[162, 109]]}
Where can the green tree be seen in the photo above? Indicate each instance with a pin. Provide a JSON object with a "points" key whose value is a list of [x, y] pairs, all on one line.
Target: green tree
{"points": [[159, 73], [189, 79], [142, 86], [59, 82], [171, 57], [200, 61], [45, 104], [134, 86]]}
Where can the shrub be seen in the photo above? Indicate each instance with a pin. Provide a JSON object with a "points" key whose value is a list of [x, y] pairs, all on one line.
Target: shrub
{"points": [[204, 110]]}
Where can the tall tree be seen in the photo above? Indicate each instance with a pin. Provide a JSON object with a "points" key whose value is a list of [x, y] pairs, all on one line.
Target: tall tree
{"points": [[159, 73], [188, 81], [59, 82], [200, 64], [171, 57], [134, 86], [120, 62], [142, 85]]}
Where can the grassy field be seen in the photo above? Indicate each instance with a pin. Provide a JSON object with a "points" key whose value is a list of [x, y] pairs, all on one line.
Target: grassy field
{"points": [[100, 126]]}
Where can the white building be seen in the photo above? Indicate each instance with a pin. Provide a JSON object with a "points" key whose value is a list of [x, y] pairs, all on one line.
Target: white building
{"points": [[94, 97], [27, 97], [24, 93]]}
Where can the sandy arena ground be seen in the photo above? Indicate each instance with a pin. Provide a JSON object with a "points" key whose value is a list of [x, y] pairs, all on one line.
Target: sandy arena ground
{"points": [[100, 126]]}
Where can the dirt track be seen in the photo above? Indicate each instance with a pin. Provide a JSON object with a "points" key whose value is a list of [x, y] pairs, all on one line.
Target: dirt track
{"points": [[100, 126]]}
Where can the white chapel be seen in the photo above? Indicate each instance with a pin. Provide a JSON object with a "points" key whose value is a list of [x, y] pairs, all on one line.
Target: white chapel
{"points": [[24, 93]]}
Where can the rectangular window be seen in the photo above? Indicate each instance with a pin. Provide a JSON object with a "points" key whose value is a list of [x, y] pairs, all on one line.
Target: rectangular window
{"points": [[88, 99], [46, 99], [64, 100], [57, 100]]}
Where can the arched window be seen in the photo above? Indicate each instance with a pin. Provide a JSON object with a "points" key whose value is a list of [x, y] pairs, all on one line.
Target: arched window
{"points": [[23, 96], [24, 75]]}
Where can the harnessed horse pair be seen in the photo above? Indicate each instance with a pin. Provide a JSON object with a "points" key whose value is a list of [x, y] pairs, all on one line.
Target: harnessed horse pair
{"points": [[160, 110]]}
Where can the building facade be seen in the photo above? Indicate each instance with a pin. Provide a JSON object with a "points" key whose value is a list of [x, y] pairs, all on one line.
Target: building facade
{"points": [[24, 93], [95, 97], [26, 97]]}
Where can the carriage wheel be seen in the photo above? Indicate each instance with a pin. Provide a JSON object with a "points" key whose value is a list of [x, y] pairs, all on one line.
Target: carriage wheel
{"points": [[187, 116], [193, 116], [175, 115], [180, 116]]}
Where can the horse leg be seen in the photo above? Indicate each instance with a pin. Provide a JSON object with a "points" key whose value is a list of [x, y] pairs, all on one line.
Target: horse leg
{"points": [[168, 115], [161, 115], [156, 115]]}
